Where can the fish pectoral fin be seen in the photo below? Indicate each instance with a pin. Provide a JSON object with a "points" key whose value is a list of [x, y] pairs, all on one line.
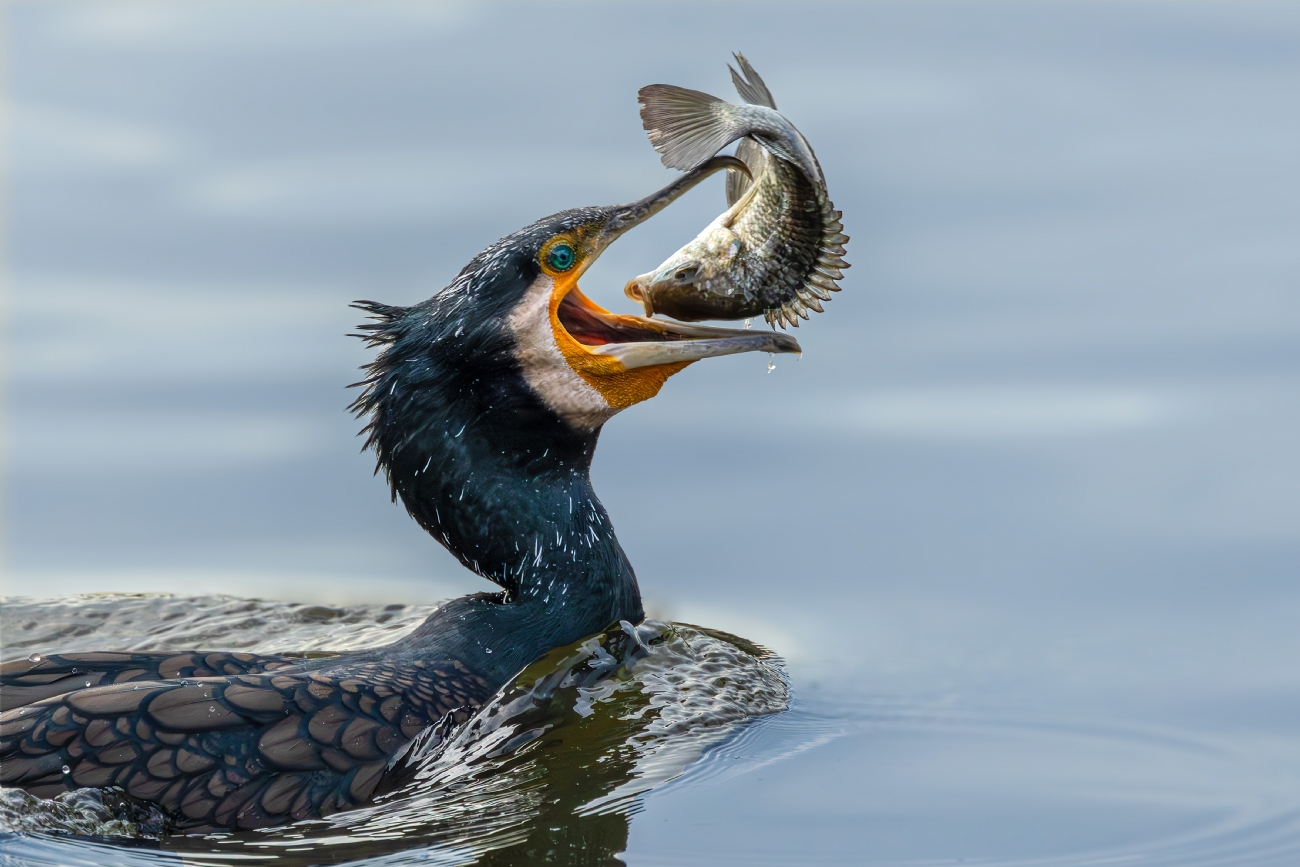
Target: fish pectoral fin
{"points": [[750, 153], [736, 208]]}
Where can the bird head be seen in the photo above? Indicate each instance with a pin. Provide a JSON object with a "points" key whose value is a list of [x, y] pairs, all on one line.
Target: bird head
{"points": [[583, 361], [515, 316]]}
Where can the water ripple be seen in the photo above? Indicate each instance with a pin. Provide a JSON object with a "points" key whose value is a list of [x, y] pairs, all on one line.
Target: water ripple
{"points": [[560, 762]]}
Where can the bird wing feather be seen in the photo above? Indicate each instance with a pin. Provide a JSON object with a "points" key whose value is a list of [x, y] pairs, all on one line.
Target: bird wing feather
{"points": [[30, 680], [232, 752]]}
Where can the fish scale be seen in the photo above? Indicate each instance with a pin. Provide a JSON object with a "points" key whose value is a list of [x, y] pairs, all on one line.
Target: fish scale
{"points": [[778, 250]]}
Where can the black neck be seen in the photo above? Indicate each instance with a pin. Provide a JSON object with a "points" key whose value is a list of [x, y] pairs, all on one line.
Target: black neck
{"points": [[515, 506], [505, 486]]}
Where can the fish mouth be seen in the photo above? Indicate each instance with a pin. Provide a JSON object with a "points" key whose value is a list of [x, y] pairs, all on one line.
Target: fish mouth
{"points": [[643, 288], [638, 289], [636, 341]]}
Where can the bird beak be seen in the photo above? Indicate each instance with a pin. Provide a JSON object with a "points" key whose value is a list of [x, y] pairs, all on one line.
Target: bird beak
{"points": [[631, 342], [625, 358], [636, 341], [679, 342], [624, 217]]}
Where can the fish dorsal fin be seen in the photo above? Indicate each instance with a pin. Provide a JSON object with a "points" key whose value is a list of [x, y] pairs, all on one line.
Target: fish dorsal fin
{"points": [[751, 88], [749, 85]]}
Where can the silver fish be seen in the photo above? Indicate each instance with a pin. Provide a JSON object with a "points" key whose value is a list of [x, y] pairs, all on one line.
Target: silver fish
{"points": [[778, 250]]}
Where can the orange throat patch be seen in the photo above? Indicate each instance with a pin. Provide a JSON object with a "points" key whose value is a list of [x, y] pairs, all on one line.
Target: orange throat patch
{"points": [[619, 386]]}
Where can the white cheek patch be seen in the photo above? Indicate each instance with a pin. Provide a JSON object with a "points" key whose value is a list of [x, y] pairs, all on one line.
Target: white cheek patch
{"points": [[544, 367]]}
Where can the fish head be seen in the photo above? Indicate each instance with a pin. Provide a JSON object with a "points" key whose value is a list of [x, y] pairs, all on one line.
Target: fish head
{"points": [[698, 276]]}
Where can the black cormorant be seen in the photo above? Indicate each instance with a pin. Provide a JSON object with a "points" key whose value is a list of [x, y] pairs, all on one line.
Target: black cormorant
{"points": [[483, 406]]}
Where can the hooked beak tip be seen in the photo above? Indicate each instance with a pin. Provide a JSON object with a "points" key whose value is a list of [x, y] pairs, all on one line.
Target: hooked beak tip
{"points": [[786, 342]]}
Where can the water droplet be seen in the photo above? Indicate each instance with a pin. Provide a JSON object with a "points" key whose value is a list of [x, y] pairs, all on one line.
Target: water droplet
{"points": [[22, 710], [67, 770], [489, 650], [749, 323], [771, 364], [76, 671], [212, 708], [87, 683], [35, 657]]}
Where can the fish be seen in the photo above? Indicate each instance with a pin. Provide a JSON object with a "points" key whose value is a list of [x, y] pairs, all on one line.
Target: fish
{"points": [[778, 249]]}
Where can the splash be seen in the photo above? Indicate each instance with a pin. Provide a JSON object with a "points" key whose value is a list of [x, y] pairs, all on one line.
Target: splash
{"points": [[84, 812]]}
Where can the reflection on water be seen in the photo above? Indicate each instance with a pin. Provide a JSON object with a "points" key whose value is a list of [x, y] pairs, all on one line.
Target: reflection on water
{"points": [[548, 770], [556, 767]]}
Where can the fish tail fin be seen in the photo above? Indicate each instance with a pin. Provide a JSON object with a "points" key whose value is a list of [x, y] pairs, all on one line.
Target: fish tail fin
{"points": [[687, 126], [748, 83]]}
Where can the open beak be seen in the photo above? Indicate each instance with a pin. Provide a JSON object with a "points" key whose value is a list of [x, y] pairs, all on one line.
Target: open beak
{"points": [[635, 341]]}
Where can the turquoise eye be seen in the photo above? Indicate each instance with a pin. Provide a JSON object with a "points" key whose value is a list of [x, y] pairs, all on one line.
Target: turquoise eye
{"points": [[561, 257]]}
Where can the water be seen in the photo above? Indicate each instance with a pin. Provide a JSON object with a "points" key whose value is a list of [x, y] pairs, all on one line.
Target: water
{"points": [[1024, 524], [935, 782]]}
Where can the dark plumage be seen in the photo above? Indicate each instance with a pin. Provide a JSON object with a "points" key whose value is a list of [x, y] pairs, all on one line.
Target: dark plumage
{"points": [[483, 411], [223, 739]]}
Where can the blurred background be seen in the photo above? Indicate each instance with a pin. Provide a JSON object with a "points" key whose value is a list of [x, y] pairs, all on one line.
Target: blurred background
{"points": [[1041, 457]]}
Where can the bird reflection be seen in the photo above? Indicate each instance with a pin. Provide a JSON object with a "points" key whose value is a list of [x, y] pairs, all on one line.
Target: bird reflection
{"points": [[549, 771]]}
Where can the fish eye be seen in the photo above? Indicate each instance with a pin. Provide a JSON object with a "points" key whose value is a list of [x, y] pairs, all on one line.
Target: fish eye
{"points": [[561, 257]]}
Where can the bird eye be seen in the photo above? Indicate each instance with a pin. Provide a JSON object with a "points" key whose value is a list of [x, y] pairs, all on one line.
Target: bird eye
{"points": [[561, 257]]}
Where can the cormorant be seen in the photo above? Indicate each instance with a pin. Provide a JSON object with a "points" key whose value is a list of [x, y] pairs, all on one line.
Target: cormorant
{"points": [[483, 407]]}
